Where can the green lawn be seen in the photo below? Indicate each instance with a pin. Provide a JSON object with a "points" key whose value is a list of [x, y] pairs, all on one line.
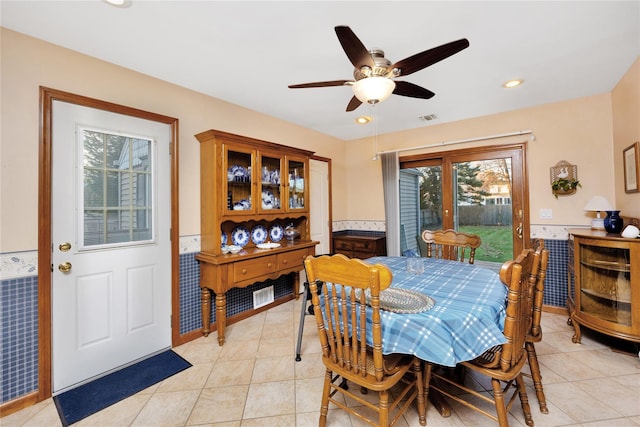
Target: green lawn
{"points": [[497, 243]]}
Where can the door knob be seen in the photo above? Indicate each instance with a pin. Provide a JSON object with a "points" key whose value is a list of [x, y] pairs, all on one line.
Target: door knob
{"points": [[64, 247], [65, 267]]}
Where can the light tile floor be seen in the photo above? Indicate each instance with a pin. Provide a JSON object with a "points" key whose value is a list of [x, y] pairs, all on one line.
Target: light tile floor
{"points": [[253, 380]]}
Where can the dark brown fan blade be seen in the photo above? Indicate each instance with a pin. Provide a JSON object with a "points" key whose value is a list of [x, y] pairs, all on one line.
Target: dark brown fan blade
{"points": [[411, 90], [353, 47], [429, 57], [322, 84], [353, 104]]}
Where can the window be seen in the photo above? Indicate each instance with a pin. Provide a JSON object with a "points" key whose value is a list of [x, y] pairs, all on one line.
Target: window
{"points": [[117, 188]]}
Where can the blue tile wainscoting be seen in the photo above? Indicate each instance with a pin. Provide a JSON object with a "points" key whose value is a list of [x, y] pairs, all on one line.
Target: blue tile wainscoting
{"points": [[19, 342], [555, 284], [239, 300], [19, 300]]}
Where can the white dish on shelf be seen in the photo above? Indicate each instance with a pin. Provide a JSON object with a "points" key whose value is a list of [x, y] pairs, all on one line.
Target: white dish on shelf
{"points": [[234, 249], [268, 245]]}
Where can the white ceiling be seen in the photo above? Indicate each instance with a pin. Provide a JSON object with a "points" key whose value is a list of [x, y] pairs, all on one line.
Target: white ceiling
{"points": [[247, 53]]}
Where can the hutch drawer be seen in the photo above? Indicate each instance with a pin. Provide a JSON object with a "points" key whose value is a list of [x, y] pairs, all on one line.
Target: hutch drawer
{"points": [[292, 259], [252, 268]]}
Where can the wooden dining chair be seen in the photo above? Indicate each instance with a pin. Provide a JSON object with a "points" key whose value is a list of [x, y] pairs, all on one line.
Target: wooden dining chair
{"points": [[347, 310], [503, 363], [535, 333], [450, 244]]}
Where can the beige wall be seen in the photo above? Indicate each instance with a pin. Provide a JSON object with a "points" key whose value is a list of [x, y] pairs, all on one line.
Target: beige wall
{"points": [[28, 63], [578, 131], [582, 131], [626, 130]]}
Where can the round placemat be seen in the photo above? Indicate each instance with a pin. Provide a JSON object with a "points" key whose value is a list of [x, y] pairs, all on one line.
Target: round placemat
{"points": [[404, 301]]}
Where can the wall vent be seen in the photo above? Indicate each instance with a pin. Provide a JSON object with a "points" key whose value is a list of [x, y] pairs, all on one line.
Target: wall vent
{"points": [[263, 297]]}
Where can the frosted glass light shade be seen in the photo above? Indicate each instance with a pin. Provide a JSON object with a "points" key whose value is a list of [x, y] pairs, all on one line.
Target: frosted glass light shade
{"points": [[373, 89]]}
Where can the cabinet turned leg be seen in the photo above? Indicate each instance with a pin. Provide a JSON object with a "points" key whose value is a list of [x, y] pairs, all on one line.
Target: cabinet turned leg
{"points": [[221, 316], [205, 309], [577, 336], [296, 285]]}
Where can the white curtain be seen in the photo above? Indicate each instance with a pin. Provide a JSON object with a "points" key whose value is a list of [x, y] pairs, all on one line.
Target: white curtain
{"points": [[391, 186]]}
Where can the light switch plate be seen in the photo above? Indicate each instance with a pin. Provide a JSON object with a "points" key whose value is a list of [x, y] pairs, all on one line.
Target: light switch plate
{"points": [[546, 214]]}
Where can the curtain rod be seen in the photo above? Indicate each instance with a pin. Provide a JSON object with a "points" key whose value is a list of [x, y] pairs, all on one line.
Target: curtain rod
{"points": [[459, 141]]}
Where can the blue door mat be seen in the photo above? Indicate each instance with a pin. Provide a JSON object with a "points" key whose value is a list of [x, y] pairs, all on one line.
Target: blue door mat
{"points": [[78, 403]]}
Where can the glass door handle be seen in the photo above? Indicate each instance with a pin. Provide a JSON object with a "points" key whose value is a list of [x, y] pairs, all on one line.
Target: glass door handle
{"points": [[519, 231]]}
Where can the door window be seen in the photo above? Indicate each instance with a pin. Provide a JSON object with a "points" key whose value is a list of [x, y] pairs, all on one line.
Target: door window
{"points": [[117, 183]]}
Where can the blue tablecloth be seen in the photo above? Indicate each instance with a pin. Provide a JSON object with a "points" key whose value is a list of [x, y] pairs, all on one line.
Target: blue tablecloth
{"points": [[467, 319]]}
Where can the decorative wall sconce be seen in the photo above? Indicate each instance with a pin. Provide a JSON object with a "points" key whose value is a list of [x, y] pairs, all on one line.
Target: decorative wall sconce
{"points": [[564, 178]]}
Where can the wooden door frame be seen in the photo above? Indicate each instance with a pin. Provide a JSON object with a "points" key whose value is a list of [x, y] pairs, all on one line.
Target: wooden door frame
{"points": [[47, 97]]}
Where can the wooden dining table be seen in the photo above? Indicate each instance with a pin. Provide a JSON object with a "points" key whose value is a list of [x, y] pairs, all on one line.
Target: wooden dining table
{"points": [[466, 319]]}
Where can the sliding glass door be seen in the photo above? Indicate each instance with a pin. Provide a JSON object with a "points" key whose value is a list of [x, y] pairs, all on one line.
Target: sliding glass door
{"points": [[480, 191]]}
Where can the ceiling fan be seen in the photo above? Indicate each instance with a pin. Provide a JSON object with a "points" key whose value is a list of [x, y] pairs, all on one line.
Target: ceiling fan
{"points": [[374, 73]]}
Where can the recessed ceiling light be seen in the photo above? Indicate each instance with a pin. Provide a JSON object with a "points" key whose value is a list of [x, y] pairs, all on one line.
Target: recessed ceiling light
{"points": [[119, 3], [363, 120], [512, 83]]}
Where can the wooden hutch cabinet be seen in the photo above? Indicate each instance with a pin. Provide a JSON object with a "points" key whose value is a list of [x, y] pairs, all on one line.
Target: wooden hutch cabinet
{"points": [[604, 284], [250, 190]]}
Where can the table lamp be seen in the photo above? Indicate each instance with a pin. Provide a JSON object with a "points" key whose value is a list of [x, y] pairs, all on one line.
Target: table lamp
{"points": [[598, 204]]}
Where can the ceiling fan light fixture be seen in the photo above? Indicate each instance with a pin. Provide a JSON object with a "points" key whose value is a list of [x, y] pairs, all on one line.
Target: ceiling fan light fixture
{"points": [[373, 90]]}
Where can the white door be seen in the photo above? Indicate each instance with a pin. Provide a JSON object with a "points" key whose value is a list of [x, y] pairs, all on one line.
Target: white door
{"points": [[110, 231], [319, 193]]}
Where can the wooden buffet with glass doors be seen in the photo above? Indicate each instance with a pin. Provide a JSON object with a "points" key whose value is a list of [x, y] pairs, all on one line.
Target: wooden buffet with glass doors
{"points": [[604, 284], [252, 194]]}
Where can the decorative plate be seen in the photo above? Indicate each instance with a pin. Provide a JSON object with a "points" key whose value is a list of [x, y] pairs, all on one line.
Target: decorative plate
{"points": [[223, 238], [269, 245], [403, 301], [258, 234], [240, 236], [276, 232]]}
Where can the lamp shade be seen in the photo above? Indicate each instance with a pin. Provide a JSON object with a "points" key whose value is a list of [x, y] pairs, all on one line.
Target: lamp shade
{"points": [[598, 204], [373, 89]]}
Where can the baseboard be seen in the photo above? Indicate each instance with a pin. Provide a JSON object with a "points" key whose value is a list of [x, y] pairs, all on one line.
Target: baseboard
{"points": [[555, 309], [197, 333], [19, 403]]}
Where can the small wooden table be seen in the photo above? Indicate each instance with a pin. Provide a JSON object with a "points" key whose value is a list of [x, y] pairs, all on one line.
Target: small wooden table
{"points": [[359, 246], [223, 272]]}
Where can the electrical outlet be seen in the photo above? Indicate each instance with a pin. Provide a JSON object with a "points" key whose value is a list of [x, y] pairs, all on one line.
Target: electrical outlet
{"points": [[546, 214]]}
